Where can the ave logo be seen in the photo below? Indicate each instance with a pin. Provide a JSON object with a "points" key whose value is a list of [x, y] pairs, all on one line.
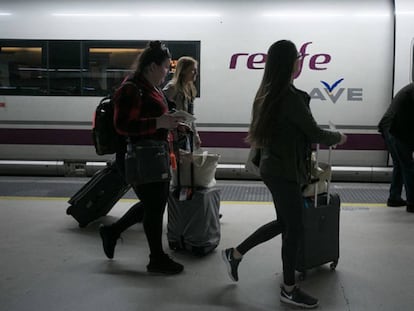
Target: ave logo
{"points": [[333, 92]]}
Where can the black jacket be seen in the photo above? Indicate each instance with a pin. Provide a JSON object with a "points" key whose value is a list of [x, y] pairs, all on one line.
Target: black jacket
{"points": [[402, 125], [294, 129]]}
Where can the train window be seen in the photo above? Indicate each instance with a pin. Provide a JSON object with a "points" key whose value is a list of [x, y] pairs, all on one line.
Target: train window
{"points": [[107, 63], [22, 68], [64, 67], [74, 67]]}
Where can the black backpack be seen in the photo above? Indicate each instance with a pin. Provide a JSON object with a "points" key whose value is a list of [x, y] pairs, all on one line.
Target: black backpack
{"points": [[104, 135]]}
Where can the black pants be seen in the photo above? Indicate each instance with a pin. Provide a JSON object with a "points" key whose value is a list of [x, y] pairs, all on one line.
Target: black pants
{"points": [[153, 198], [288, 200], [139, 207]]}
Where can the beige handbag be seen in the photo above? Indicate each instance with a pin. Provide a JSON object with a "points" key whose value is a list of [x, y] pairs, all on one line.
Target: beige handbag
{"points": [[323, 173], [205, 165]]}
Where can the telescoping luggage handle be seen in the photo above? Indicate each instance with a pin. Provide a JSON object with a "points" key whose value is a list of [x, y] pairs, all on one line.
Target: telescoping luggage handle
{"points": [[177, 152], [328, 186]]}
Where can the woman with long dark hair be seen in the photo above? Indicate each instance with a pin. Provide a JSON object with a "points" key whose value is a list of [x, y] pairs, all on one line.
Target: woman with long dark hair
{"points": [[283, 128], [141, 113]]}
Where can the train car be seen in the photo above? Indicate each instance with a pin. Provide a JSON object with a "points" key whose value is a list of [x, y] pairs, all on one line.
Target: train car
{"points": [[59, 58]]}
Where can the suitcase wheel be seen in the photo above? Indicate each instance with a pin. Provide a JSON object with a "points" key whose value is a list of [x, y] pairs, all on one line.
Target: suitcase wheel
{"points": [[82, 225], [302, 276], [174, 245], [333, 265], [68, 210], [199, 251]]}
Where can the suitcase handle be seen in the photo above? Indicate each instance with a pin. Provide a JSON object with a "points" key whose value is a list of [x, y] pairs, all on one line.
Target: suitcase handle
{"points": [[177, 152], [328, 190]]}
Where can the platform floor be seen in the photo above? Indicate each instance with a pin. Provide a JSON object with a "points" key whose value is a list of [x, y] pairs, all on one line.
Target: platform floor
{"points": [[49, 264]]}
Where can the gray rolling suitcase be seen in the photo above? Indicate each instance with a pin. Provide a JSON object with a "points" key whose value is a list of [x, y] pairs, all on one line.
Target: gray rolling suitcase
{"points": [[193, 217], [194, 224], [320, 240]]}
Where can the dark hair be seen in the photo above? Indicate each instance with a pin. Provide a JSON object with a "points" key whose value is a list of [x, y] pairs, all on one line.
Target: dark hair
{"points": [[276, 81], [155, 52]]}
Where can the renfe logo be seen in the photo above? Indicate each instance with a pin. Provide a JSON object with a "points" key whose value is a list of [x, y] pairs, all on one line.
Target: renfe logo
{"points": [[257, 60], [315, 62]]}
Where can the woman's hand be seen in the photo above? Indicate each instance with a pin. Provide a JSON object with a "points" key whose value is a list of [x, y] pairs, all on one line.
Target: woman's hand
{"points": [[167, 121], [183, 127], [343, 140], [197, 141]]}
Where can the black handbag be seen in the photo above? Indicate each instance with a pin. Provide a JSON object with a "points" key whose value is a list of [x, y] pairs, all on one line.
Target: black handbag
{"points": [[147, 161]]}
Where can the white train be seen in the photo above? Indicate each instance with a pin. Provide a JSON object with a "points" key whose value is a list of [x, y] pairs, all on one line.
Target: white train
{"points": [[58, 58]]}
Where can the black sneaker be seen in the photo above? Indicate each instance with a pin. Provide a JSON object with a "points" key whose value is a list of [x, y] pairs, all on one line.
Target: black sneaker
{"points": [[396, 203], [164, 264], [109, 238], [298, 298], [231, 263], [410, 208]]}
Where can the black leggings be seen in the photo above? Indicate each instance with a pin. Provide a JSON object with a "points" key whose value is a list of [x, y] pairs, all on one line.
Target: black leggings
{"points": [[153, 199], [288, 200]]}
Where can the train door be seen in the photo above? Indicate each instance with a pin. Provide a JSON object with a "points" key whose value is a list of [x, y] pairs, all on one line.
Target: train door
{"points": [[404, 44]]}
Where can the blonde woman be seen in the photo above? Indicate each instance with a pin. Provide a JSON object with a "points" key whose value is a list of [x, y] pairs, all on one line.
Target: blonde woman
{"points": [[181, 91]]}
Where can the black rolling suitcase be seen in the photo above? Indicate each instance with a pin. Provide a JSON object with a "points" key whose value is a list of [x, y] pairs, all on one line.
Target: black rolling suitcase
{"points": [[97, 197], [193, 216], [319, 244]]}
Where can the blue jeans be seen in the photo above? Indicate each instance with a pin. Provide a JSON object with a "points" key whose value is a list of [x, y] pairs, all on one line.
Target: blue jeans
{"points": [[397, 177]]}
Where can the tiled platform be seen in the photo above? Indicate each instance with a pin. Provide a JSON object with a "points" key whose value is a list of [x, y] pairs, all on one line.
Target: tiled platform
{"points": [[49, 264]]}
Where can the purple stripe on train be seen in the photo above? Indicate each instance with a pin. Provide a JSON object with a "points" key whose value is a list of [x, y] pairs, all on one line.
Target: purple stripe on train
{"points": [[209, 139]]}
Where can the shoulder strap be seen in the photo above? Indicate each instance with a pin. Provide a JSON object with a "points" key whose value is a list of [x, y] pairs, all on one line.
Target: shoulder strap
{"points": [[131, 82]]}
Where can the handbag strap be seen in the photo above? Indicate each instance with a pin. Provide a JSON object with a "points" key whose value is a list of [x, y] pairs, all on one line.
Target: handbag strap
{"points": [[177, 156], [191, 136], [203, 157], [177, 152]]}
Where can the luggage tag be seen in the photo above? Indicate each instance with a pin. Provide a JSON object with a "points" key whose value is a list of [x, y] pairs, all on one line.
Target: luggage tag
{"points": [[185, 194]]}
